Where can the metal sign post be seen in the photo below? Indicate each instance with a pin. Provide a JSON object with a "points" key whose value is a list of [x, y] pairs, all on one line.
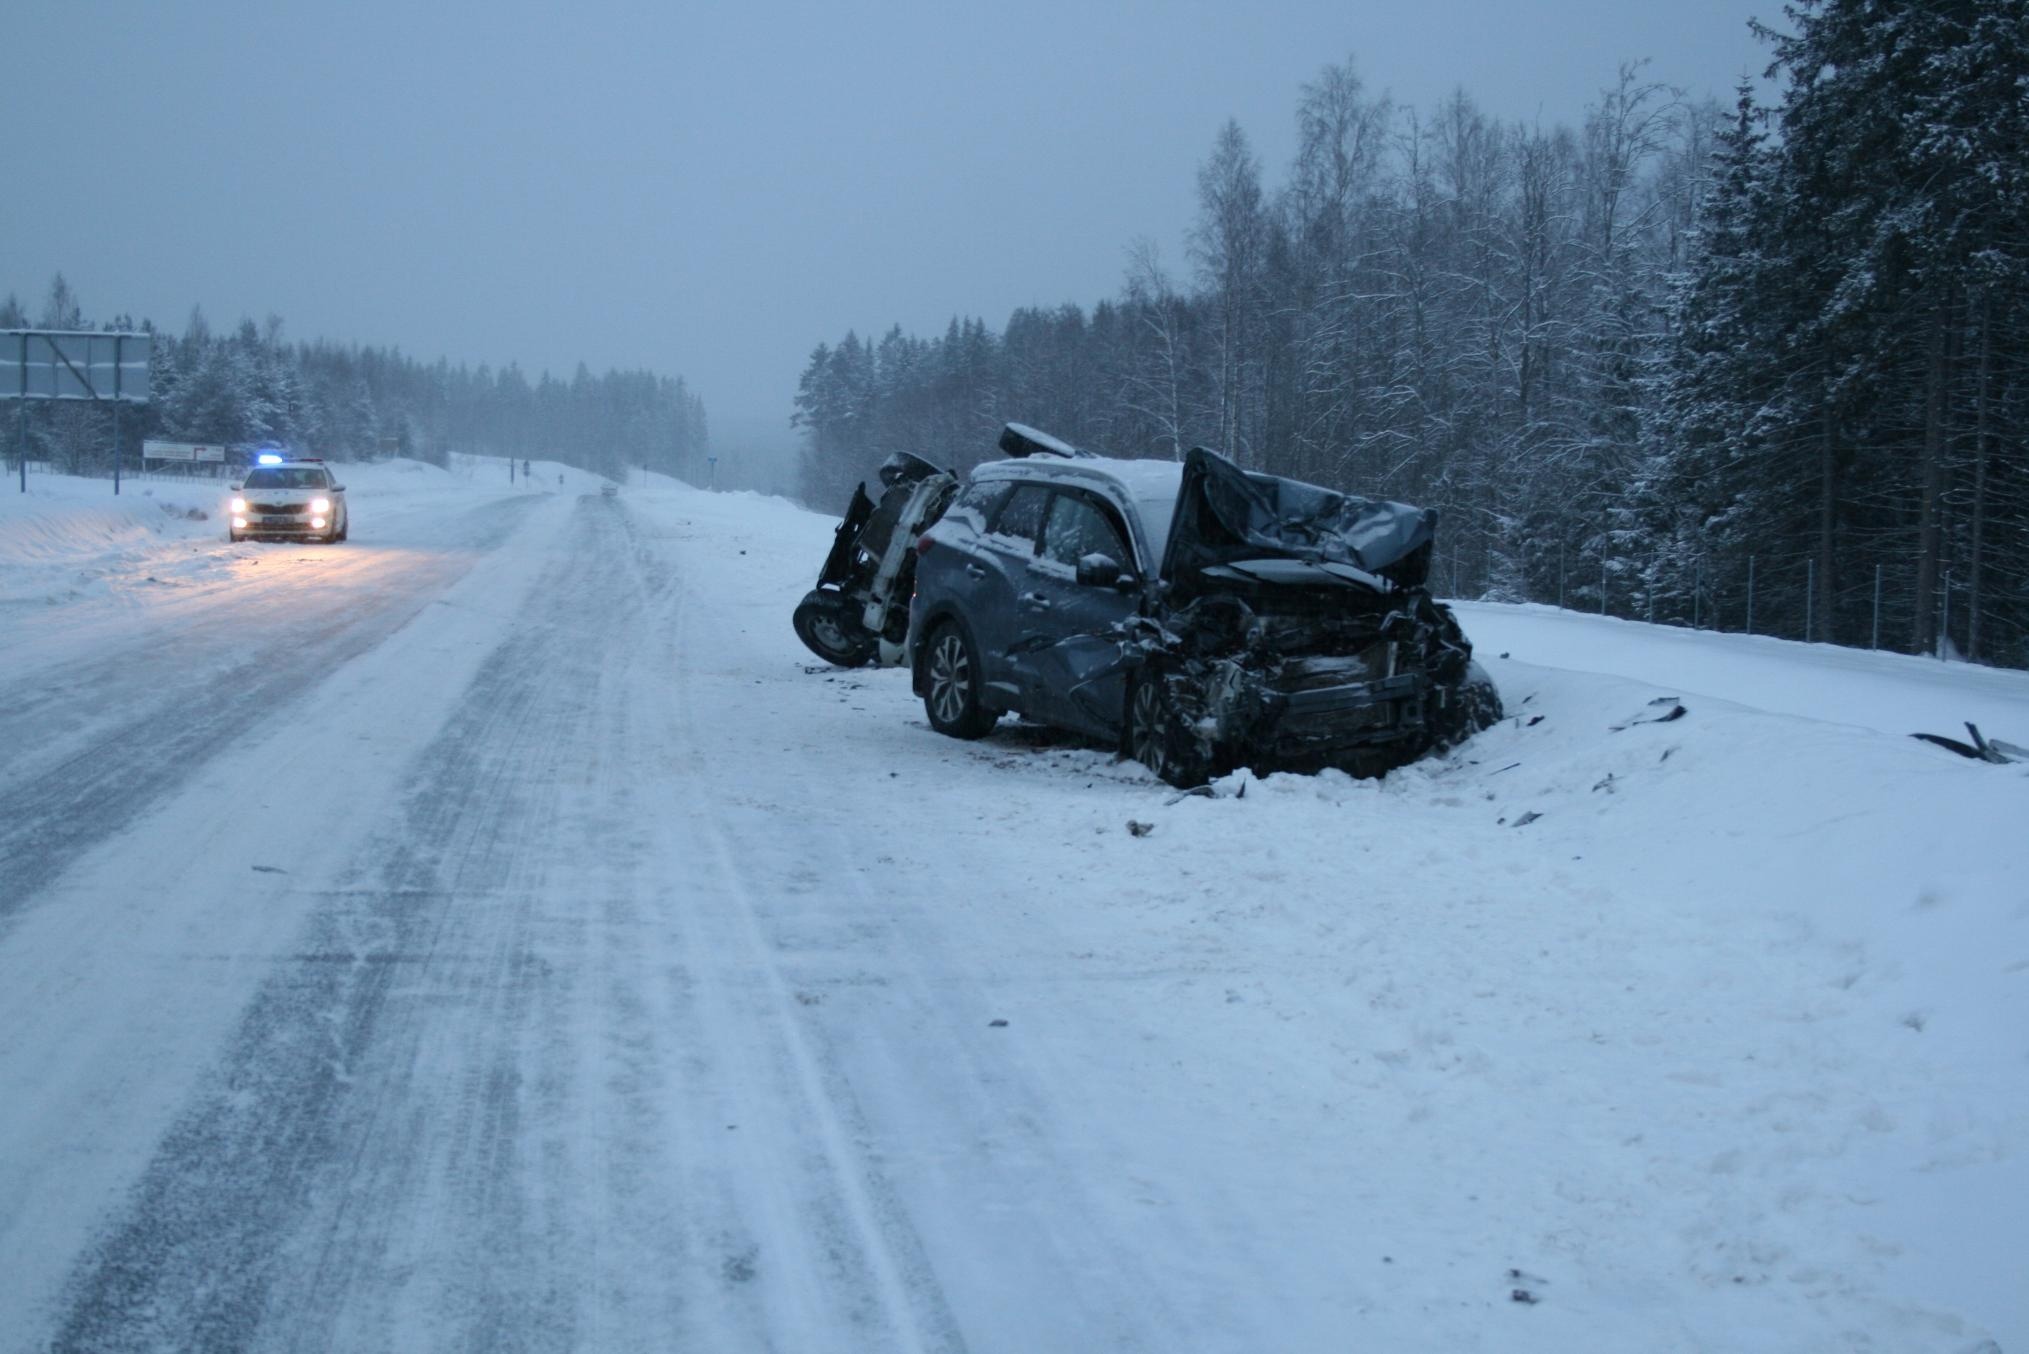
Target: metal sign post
{"points": [[712, 472], [74, 364]]}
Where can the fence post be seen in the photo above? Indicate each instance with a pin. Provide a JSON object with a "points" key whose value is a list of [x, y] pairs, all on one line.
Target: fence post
{"points": [[1750, 594], [1602, 582], [1877, 607], [1560, 575], [1810, 595], [1697, 593]]}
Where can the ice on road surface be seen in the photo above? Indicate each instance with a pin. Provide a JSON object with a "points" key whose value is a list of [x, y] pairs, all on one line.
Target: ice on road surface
{"points": [[496, 932]]}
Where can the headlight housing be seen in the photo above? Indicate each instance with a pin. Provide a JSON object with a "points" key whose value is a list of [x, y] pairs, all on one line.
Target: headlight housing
{"points": [[320, 505], [239, 505]]}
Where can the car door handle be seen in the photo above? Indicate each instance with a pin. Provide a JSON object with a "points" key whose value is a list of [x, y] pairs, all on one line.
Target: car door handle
{"points": [[975, 570], [1035, 601]]}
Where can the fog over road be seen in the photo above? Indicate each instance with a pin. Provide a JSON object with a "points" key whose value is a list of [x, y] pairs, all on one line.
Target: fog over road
{"points": [[496, 933]]}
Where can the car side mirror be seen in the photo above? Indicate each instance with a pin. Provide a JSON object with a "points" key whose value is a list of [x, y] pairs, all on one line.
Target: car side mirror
{"points": [[337, 488], [1103, 571], [237, 487]]}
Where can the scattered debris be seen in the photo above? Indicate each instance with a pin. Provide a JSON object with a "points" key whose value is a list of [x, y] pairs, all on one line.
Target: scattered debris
{"points": [[269, 869], [1195, 792], [1139, 829], [1523, 1295], [1981, 749], [1534, 720], [1527, 818], [1661, 710], [1606, 784], [996, 1024], [1509, 767]]}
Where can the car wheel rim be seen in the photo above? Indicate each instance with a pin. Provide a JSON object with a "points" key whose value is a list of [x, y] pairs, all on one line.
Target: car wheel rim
{"points": [[950, 679], [829, 635], [1145, 731]]}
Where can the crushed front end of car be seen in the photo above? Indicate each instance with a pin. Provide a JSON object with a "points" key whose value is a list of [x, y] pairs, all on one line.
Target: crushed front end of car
{"points": [[1295, 631]]}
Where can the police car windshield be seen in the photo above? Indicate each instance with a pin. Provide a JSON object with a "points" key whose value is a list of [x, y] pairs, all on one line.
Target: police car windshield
{"points": [[287, 477]]}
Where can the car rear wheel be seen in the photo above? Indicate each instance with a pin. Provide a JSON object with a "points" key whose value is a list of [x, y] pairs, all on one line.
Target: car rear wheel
{"points": [[825, 629], [1159, 740], [951, 688]]}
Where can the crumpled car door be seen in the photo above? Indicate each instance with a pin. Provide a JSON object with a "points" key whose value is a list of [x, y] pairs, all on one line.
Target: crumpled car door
{"points": [[991, 579], [1071, 645]]}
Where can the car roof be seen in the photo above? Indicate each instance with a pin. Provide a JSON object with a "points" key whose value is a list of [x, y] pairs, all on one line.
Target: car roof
{"points": [[1149, 485]]}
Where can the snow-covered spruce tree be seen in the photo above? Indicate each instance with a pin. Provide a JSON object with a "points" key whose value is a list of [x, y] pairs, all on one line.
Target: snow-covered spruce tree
{"points": [[1895, 255], [1709, 482]]}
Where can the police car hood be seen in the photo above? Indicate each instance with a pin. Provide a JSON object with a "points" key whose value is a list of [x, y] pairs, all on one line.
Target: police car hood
{"points": [[1274, 530]]}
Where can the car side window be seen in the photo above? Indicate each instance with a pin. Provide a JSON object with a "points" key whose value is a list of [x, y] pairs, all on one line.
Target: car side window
{"points": [[1079, 527], [978, 501], [1022, 515]]}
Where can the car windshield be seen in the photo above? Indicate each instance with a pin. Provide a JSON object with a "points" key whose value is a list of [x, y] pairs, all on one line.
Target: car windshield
{"points": [[287, 477]]}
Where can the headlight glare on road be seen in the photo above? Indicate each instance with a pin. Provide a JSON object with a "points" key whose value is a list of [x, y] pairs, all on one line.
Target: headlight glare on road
{"points": [[320, 505], [239, 505]]}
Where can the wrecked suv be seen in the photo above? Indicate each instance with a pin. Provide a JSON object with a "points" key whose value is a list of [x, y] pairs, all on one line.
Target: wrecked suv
{"points": [[1199, 616]]}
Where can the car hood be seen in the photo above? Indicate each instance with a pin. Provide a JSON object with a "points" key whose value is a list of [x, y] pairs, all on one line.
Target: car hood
{"points": [[1275, 530]]}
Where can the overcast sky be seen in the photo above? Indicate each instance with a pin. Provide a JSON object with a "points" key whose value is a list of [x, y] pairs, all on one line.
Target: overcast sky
{"points": [[707, 190]]}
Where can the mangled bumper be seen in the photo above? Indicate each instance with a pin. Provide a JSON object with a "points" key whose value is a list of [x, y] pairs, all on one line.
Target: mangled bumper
{"points": [[1242, 716], [1365, 699]]}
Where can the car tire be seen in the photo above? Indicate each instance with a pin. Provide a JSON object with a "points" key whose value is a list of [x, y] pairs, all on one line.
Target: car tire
{"points": [[951, 684], [1474, 705], [825, 628], [1156, 736], [231, 537], [344, 531]]}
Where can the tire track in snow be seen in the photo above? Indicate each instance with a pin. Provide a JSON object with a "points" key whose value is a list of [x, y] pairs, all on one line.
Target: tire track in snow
{"points": [[386, 1156], [866, 1238], [229, 678]]}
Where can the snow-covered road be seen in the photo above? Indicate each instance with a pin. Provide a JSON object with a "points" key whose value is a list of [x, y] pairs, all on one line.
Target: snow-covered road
{"points": [[497, 933]]}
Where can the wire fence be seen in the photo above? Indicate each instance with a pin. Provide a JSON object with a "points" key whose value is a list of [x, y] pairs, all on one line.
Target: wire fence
{"points": [[1871, 606]]}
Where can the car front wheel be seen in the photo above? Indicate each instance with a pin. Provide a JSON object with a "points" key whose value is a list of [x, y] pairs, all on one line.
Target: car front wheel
{"points": [[1159, 740], [951, 688]]}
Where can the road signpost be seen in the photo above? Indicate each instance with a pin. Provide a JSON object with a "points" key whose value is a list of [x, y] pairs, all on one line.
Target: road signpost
{"points": [[73, 364]]}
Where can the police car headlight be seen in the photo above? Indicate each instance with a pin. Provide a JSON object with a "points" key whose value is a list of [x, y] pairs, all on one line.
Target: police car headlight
{"points": [[317, 522], [239, 521], [320, 505], [239, 505]]}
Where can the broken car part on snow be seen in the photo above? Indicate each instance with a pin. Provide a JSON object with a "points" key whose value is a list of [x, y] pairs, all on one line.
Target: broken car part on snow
{"points": [[1200, 616], [1981, 749], [859, 610]]}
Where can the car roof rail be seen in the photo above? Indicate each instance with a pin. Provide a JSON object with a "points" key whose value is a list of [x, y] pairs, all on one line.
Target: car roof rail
{"points": [[1020, 440]]}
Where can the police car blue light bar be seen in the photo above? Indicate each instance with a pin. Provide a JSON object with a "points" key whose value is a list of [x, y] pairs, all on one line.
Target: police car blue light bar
{"points": [[268, 458]]}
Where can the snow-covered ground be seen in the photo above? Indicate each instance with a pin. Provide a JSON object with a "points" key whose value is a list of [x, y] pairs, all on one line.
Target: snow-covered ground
{"points": [[498, 931]]}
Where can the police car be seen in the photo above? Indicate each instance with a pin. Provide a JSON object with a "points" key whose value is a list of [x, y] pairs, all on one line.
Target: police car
{"points": [[289, 496]]}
